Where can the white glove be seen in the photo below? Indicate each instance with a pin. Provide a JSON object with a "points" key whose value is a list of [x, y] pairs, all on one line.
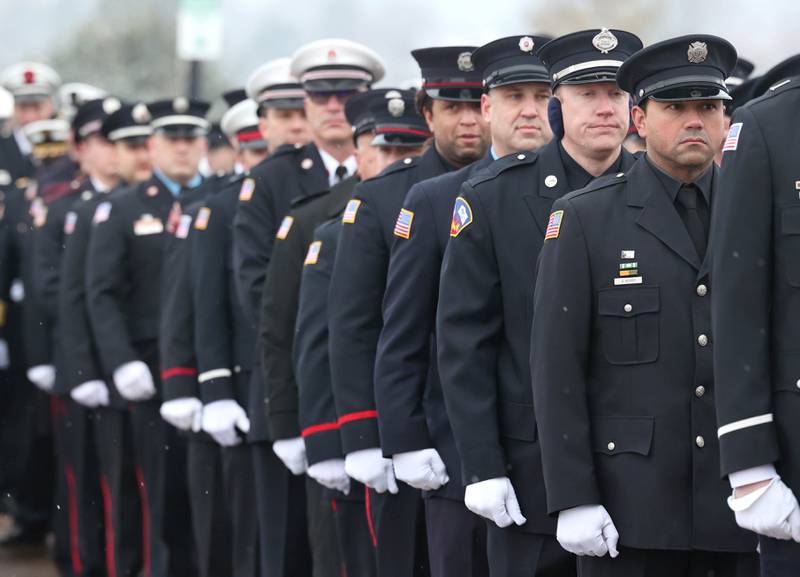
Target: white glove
{"points": [[331, 474], [771, 511], [185, 413], [222, 418], [371, 468], [422, 470], [90, 394], [5, 360], [496, 500], [43, 376], [587, 530], [134, 381], [293, 454]]}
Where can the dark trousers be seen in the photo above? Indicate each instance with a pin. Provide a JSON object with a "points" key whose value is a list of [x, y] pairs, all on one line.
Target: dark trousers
{"points": [[397, 524], [779, 558], [646, 563], [79, 501], [281, 505], [456, 539], [121, 507], [517, 554], [352, 534], [160, 455], [240, 490], [322, 531], [210, 517]]}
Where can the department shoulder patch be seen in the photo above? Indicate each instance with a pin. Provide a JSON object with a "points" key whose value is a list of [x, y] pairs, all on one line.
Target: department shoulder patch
{"points": [[69, 222], [284, 228], [101, 213], [312, 256], [350, 211], [462, 216], [732, 142], [554, 225], [402, 227], [246, 192], [184, 225], [203, 217]]}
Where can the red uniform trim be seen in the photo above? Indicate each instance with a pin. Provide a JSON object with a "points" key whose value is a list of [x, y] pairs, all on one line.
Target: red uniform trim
{"points": [[178, 371], [451, 84], [147, 569], [249, 136], [108, 517], [405, 131], [321, 428], [72, 509], [357, 416], [369, 518]]}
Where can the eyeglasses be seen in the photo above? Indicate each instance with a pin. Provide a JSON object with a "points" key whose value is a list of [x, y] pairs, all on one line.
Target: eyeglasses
{"points": [[323, 96]]}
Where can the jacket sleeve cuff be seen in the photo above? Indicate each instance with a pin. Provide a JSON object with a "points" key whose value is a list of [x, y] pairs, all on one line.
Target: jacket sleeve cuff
{"points": [[482, 464], [749, 447], [322, 445], [177, 385], [283, 425], [752, 475], [216, 385], [404, 435], [359, 431]]}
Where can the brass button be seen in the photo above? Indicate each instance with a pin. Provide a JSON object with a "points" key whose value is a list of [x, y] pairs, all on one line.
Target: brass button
{"points": [[700, 391], [702, 340], [700, 441], [611, 446], [628, 308], [702, 290]]}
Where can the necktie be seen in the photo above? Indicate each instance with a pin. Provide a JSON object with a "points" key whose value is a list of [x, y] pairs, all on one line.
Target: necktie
{"points": [[341, 173], [689, 199]]}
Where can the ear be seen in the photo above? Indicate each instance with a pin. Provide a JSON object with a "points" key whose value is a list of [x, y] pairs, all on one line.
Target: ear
{"points": [[427, 112], [639, 119], [556, 118]]}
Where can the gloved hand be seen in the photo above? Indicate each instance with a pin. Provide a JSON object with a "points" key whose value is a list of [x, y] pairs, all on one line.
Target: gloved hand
{"points": [[371, 468], [771, 511], [423, 469], [5, 360], [134, 381], [496, 500], [185, 413], [587, 530], [331, 474], [222, 418], [43, 376], [292, 452], [91, 394]]}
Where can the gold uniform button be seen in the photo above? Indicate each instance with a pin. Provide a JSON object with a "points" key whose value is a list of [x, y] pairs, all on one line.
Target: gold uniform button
{"points": [[612, 446], [702, 340], [628, 308], [700, 441], [702, 290], [700, 391]]}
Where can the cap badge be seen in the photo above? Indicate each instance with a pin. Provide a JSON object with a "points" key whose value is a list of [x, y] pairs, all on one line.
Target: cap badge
{"points": [[180, 105], [526, 43], [111, 105], [605, 41], [396, 107], [695, 93], [28, 77], [140, 113], [331, 54], [697, 53], [306, 163], [465, 62]]}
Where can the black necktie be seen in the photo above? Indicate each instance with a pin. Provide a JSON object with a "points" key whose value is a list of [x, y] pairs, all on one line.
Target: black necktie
{"points": [[341, 173], [695, 219]]}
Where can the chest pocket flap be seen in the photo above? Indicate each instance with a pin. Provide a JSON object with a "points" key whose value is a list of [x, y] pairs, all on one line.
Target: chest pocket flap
{"points": [[629, 324]]}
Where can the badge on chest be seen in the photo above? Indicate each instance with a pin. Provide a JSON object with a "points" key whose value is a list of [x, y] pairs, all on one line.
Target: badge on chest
{"points": [[147, 225], [628, 272]]}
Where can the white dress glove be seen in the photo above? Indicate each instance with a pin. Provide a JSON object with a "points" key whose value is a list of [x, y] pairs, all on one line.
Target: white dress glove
{"points": [[331, 474], [587, 530], [134, 381], [91, 394], [5, 359], [43, 376], [292, 452], [771, 511], [222, 418], [185, 413], [495, 500], [422, 470], [370, 467]]}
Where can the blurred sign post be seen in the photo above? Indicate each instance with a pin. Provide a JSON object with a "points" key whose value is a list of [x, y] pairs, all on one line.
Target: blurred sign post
{"points": [[199, 36]]}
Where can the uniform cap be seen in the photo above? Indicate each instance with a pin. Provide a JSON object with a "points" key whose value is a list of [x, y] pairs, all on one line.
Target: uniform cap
{"points": [[336, 64], [272, 85], [448, 73], [741, 72], [73, 94], [777, 74], [179, 116], [130, 122], [511, 60], [6, 104], [30, 80], [241, 122], [89, 116], [397, 120]]}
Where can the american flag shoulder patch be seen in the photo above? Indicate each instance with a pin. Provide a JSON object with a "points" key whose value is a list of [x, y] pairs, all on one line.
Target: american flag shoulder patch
{"points": [[184, 225], [102, 212], [246, 192], [69, 222], [554, 225], [312, 256], [462, 216], [402, 227], [732, 142], [284, 228], [203, 216], [350, 211]]}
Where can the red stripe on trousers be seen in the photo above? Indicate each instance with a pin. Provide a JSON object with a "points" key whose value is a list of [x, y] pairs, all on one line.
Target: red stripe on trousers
{"points": [[145, 521], [369, 517], [108, 517], [72, 509]]}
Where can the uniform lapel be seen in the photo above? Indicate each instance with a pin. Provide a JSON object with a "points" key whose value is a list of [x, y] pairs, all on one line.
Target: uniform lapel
{"points": [[312, 174], [551, 170], [658, 215]]}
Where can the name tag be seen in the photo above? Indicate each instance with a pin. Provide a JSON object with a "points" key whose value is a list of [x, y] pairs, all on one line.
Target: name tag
{"points": [[628, 280], [147, 225]]}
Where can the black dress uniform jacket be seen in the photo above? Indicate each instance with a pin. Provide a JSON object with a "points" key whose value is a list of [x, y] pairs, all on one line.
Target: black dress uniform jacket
{"points": [[756, 300], [621, 360], [357, 288], [279, 303], [484, 322], [124, 266], [19, 166], [408, 394], [288, 173]]}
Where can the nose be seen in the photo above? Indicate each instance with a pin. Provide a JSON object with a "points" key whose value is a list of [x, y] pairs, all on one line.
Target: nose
{"points": [[604, 106]]}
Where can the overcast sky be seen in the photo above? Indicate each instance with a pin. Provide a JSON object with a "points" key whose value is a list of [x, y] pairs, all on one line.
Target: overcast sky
{"points": [[258, 30]]}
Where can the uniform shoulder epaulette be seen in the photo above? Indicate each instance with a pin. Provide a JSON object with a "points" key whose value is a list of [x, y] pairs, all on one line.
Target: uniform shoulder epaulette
{"points": [[399, 166], [502, 165], [303, 200], [285, 149], [606, 181], [775, 90]]}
